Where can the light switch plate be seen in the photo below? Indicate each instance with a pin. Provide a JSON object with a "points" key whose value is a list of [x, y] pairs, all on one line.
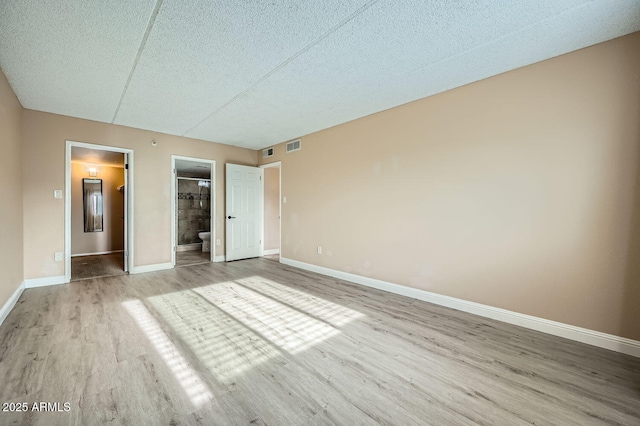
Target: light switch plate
{"points": [[57, 193], [58, 256], [218, 242]]}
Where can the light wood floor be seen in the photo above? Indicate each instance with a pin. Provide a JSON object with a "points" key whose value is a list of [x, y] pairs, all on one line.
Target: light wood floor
{"points": [[256, 342]]}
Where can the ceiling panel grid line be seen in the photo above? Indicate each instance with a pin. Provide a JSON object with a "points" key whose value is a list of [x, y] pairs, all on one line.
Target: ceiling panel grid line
{"points": [[152, 20], [71, 57], [203, 53], [288, 60], [370, 65]]}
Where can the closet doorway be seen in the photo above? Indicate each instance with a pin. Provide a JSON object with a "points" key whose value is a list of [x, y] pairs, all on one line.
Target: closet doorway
{"points": [[98, 211], [193, 211]]}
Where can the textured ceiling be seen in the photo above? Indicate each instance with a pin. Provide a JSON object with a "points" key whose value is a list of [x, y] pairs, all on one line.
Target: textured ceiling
{"points": [[255, 73], [194, 168]]}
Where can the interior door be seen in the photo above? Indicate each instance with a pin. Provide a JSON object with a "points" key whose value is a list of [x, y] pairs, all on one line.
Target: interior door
{"points": [[125, 215], [243, 211]]}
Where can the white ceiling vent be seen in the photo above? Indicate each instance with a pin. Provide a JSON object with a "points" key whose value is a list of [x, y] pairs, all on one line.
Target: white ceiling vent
{"points": [[267, 152], [294, 146]]}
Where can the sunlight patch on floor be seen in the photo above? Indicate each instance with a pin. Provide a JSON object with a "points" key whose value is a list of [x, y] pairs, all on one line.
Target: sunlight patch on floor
{"points": [[234, 326], [329, 312], [223, 345], [194, 387], [287, 328]]}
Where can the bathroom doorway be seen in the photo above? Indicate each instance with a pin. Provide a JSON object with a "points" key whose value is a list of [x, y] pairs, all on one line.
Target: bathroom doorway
{"points": [[193, 211]]}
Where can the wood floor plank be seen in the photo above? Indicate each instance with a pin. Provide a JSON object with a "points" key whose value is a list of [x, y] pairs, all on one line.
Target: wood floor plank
{"points": [[259, 343]]}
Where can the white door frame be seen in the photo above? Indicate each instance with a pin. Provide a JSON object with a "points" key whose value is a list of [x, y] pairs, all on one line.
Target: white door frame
{"points": [[277, 164], [212, 225], [128, 245]]}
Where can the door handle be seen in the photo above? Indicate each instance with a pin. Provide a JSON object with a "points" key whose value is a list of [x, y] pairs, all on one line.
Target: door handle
{"points": [[231, 217]]}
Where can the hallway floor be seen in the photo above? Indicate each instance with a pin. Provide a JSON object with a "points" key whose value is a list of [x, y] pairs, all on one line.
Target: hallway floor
{"points": [[103, 265], [193, 257]]}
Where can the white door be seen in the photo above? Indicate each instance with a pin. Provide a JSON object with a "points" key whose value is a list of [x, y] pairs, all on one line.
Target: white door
{"points": [[125, 213], [243, 211]]}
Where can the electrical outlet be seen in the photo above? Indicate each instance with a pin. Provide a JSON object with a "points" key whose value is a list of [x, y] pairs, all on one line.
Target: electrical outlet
{"points": [[58, 256], [218, 242], [319, 249]]}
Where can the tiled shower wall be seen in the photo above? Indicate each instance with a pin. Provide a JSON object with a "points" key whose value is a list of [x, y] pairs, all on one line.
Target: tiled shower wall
{"points": [[194, 211]]}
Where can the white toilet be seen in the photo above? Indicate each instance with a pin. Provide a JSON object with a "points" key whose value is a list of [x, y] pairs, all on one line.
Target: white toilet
{"points": [[206, 240]]}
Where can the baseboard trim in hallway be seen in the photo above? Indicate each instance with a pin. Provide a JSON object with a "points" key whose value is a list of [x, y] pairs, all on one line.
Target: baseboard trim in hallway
{"points": [[97, 253], [13, 299], [579, 334]]}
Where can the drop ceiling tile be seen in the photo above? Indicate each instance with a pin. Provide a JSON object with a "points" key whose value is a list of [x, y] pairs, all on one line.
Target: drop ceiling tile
{"points": [[71, 57], [201, 54], [387, 57]]}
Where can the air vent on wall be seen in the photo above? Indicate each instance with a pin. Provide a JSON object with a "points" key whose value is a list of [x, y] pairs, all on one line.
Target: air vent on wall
{"points": [[294, 146], [267, 152]]}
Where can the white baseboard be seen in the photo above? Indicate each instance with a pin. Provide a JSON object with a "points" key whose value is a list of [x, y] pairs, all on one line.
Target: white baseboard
{"points": [[270, 252], [579, 334], [96, 254], [221, 258], [152, 268], [43, 282], [13, 299]]}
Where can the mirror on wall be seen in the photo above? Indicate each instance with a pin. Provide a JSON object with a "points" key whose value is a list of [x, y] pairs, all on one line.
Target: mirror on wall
{"points": [[92, 190]]}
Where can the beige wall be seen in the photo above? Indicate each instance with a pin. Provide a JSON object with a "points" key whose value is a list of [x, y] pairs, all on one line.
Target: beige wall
{"points": [[44, 137], [112, 237], [11, 234], [271, 208], [521, 191]]}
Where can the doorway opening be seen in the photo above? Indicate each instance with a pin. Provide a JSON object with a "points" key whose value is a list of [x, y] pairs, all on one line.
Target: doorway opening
{"points": [[193, 211], [272, 211], [98, 208]]}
